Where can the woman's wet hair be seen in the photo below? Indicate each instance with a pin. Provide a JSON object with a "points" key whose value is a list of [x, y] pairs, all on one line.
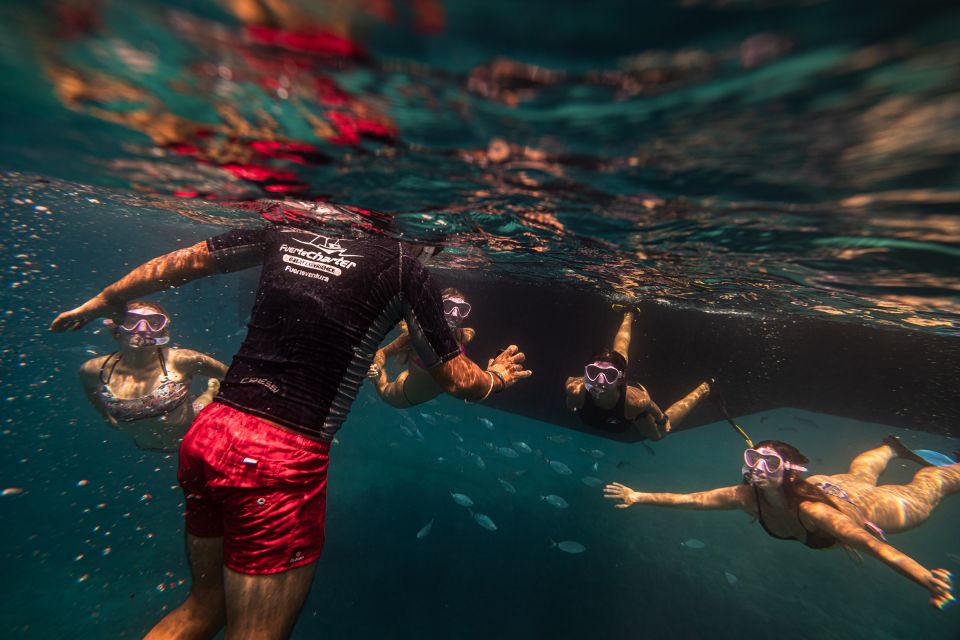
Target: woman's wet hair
{"points": [[796, 487], [152, 306], [451, 292]]}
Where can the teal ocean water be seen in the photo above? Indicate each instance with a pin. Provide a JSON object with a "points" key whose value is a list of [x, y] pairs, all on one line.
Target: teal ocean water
{"points": [[771, 161]]}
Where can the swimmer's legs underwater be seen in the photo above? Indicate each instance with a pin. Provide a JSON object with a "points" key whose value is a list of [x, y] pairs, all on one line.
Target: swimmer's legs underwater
{"points": [[897, 508], [253, 607], [621, 342], [679, 409], [392, 392], [204, 612]]}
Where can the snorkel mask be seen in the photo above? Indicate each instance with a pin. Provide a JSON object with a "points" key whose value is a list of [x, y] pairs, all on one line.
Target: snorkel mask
{"points": [[764, 466], [600, 376], [144, 328], [455, 310]]}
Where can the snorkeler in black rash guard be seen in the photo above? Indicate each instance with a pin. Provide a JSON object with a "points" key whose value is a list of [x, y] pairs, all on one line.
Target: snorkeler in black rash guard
{"points": [[253, 466]]}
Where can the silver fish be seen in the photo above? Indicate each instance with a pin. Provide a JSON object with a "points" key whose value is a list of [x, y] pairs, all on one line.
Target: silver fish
{"points": [[462, 452], [692, 543], [425, 531], [590, 481], [559, 438], [595, 453], [507, 452], [429, 419], [487, 423], [462, 500], [555, 501], [457, 436], [509, 488], [477, 460], [560, 468], [731, 579], [596, 465], [522, 447], [569, 546], [406, 430], [417, 434], [484, 521]]}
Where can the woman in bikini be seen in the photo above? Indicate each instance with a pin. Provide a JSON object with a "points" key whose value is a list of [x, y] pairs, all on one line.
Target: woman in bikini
{"points": [[603, 399], [143, 389], [415, 385], [821, 511]]}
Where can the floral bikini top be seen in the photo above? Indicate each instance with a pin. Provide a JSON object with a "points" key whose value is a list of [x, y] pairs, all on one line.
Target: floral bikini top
{"points": [[168, 395]]}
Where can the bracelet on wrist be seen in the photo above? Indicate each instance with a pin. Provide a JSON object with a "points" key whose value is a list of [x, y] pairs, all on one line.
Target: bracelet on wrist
{"points": [[487, 394], [503, 381]]}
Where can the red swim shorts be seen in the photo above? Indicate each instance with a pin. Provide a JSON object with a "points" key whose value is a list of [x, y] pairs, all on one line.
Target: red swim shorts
{"points": [[261, 488]]}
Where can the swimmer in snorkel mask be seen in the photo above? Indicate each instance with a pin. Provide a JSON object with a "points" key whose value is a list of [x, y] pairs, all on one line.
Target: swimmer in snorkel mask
{"points": [[415, 385], [849, 509], [115, 383], [604, 399]]}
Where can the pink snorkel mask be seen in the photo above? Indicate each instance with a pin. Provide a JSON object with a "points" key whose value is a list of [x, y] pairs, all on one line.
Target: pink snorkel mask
{"points": [[148, 327], [455, 310], [765, 462], [600, 376]]}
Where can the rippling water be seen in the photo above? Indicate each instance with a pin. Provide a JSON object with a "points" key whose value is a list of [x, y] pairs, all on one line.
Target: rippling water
{"points": [[772, 157], [789, 157]]}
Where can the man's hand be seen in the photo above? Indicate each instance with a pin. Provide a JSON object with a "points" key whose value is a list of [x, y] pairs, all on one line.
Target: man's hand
{"points": [[96, 307], [508, 366]]}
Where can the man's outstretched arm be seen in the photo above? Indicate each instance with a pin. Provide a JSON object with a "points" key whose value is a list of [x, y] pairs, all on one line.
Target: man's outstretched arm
{"points": [[163, 272]]}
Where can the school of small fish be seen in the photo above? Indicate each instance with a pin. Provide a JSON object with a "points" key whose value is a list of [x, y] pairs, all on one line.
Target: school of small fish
{"points": [[508, 451]]}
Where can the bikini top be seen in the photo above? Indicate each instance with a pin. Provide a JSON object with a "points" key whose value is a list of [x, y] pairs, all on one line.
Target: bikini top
{"points": [[168, 395], [613, 419], [814, 539]]}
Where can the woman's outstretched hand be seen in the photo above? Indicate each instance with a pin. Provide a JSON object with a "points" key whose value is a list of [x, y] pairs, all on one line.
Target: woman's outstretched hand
{"points": [[96, 307], [939, 583], [617, 491]]}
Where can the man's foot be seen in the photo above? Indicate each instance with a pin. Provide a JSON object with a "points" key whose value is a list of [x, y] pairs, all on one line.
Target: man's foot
{"points": [[903, 452]]}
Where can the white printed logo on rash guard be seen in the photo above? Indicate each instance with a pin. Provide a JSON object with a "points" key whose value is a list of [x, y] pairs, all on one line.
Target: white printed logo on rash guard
{"points": [[319, 253]]}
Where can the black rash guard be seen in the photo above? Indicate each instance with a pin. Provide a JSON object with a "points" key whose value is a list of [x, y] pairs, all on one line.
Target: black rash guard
{"points": [[323, 306]]}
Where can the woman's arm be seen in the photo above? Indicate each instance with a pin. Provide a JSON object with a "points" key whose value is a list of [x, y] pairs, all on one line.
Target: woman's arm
{"points": [[376, 372], [199, 364], [575, 393], [737, 497], [170, 270], [938, 581]]}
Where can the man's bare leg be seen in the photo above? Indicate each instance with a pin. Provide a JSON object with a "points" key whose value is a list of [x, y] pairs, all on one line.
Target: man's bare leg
{"points": [[203, 613], [265, 607]]}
